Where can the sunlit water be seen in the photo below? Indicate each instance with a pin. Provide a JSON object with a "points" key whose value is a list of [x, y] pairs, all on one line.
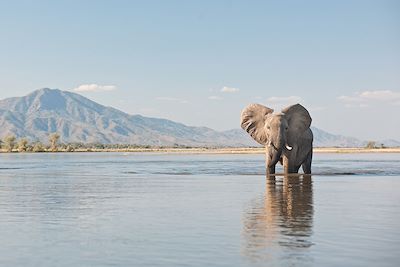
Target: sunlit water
{"points": [[116, 209]]}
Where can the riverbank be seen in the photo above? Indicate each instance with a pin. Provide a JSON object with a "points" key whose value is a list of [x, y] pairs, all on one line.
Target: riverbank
{"points": [[220, 150]]}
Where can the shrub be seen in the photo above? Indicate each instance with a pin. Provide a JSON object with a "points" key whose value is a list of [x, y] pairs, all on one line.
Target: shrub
{"points": [[38, 147], [53, 138], [9, 143], [371, 144], [22, 145]]}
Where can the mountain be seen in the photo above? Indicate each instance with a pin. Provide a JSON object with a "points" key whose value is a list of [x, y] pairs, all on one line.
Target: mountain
{"points": [[325, 139], [389, 143], [78, 119]]}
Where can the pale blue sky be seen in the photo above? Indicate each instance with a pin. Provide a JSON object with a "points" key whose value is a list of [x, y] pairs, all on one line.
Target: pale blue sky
{"points": [[171, 59]]}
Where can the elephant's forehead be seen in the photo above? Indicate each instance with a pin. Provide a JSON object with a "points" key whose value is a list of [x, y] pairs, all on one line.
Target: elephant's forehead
{"points": [[277, 119]]}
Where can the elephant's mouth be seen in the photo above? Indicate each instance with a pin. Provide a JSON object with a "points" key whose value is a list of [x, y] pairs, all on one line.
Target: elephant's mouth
{"points": [[286, 146]]}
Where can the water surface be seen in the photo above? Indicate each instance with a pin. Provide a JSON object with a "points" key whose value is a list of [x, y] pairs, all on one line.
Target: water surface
{"points": [[127, 209]]}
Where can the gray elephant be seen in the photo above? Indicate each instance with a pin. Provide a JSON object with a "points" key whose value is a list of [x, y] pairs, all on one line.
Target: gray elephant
{"points": [[286, 136]]}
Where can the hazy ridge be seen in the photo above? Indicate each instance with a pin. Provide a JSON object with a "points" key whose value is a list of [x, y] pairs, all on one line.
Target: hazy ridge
{"points": [[78, 119]]}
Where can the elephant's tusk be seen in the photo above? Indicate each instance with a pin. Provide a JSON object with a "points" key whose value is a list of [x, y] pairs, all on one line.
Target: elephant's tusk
{"points": [[289, 147]]}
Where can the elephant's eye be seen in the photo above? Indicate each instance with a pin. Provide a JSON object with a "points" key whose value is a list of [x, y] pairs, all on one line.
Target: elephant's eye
{"points": [[268, 127], [286, 128]]}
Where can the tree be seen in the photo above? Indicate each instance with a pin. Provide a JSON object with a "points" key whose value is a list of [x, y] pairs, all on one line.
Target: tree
{"points": [[371, 144], [22, 145], [53, 138], [38, 147], [9, 143]]}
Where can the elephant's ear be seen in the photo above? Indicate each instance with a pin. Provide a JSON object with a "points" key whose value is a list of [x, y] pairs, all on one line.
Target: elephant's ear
{"points": [[298, 120], [253, 121]]}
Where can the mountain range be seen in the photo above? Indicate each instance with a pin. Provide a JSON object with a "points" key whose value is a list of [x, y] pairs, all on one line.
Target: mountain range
{"points": [[79, 119]]}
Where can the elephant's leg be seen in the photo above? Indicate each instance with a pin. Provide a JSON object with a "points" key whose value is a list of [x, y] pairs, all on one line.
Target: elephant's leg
{"points": [[289, 162], [287, 165], [268, 159], [307, 163], [270, 170], [295, 169], [292, 169]]}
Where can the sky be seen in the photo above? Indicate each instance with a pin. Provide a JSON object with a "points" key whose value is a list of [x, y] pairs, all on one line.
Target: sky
{"points": [[201, 62]]}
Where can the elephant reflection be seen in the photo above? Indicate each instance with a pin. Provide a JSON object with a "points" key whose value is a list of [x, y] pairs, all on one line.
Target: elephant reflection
{"points": [[281, 219]]}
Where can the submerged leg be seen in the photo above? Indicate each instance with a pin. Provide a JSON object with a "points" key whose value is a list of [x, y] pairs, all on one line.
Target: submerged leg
{"points": [[296, 169], [271, 170], [289, 167], [307, 163]]}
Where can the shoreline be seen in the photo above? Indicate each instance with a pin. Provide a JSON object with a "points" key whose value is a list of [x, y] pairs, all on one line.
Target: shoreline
{"points": [[254, 150]]}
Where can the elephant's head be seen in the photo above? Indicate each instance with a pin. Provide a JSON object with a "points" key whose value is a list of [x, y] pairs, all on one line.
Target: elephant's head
{"points": [[277, 131]]}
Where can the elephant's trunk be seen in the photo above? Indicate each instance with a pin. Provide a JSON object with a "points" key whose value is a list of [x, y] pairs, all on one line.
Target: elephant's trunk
{"points": [[279, 140], [276, 146], [275, 154]]}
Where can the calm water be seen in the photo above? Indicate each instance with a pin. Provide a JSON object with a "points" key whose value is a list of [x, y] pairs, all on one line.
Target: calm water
{"points": [[115, 209]]}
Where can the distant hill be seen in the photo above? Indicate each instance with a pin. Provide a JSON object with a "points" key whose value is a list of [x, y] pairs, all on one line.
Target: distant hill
{"points": [[78, 119], [325, 139]]}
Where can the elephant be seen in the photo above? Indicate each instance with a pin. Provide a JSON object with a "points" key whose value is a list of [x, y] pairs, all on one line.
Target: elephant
{"points": [[286, 136]]}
